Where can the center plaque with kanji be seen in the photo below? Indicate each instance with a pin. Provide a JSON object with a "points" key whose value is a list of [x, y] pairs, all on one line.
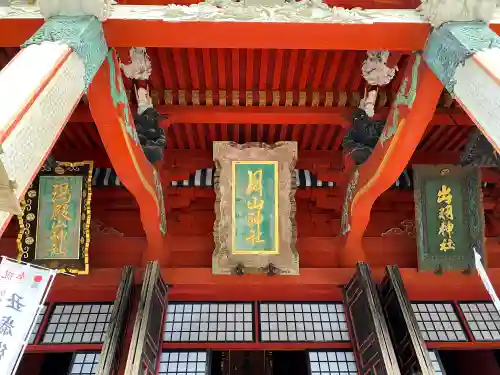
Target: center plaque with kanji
{"points": [[254, 231], [255, 207], [449, 217]]}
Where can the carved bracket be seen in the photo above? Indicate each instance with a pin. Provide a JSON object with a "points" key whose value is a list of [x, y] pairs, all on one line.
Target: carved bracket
{"points": [[151, 135], [362, 137]]}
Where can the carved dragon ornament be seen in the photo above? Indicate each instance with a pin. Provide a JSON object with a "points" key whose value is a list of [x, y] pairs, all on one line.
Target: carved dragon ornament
{"points": [[310, 11]]}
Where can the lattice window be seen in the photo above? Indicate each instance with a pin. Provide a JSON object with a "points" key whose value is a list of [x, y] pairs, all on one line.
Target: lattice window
{"points": [[483, 320], [438, 322], [436, 363], [85, 363], [78, 324], [36, 327], [209, 322], [183, 363], [320, 322], [332, 363]]}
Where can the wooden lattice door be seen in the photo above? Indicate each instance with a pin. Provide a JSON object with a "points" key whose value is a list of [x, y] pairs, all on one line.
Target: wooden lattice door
{"points": [[412, 354], [371, 340]]}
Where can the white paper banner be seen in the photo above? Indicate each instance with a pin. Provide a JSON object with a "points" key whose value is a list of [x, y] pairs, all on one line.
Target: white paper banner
{"points": [[23, 290], [486, 280]]}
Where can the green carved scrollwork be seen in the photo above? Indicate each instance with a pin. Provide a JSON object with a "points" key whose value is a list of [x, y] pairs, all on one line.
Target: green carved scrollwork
{"points": [[83, 34], [402, 98], [349, 195], [159, 193], [450, 45], [476, 212], [119, 96]]}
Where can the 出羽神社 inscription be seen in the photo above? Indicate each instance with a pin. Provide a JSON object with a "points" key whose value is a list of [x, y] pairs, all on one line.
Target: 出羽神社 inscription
{"points": [[449, 216]]}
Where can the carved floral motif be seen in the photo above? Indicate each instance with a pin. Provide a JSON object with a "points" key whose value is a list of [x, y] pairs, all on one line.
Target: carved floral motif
{"points": [[404, 101], [140, 65], [376, 73], [345, 227], [226, 11]]}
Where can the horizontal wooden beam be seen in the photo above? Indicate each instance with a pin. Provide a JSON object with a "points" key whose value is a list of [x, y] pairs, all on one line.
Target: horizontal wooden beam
{"points": [[312, 284], [272, 115], [328, 165], [149, 26]]}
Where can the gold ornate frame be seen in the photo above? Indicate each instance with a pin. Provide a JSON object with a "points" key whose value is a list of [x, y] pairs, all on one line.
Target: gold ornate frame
{"points": [[26, 239], [224, 260]]}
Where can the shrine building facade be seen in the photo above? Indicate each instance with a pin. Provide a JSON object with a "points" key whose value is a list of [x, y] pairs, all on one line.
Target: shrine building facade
{"points": [[255, 187]]}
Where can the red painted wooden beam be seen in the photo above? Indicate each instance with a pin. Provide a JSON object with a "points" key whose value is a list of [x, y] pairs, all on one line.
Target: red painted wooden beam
{"points": [[109, 106], [157, 32], [410, 115], [402, 34], [312, 284], [273, 115]]}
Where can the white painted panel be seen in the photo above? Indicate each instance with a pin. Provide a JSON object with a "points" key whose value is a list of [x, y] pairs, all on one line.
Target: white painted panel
{"points": [[30, 140], [478, 92], [438, 321], [209, 322], [303, 322]]}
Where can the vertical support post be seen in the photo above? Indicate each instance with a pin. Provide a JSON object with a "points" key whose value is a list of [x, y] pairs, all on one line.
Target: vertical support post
{"points": [[110, 109], [410, 114]]}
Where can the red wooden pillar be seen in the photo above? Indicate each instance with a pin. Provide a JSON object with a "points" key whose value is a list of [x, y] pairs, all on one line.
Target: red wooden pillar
{"points": [[110, 109], [410, 114]]}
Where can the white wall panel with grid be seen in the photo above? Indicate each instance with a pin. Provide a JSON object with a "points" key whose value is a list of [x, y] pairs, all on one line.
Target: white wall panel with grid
{"points": [[318, 322], [183, 363], [332, 363], [209, 322], [85, 363], [483, 320], [78, 323], [37, 325], [438, 321], [343, 363], [436, 363]]}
